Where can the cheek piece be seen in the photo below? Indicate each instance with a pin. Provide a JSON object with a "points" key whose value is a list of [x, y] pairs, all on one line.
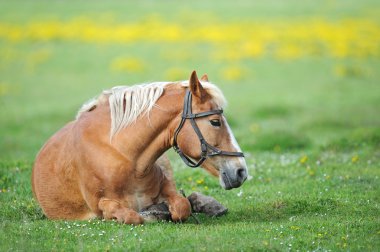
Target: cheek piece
{"points": [[207, 150]]}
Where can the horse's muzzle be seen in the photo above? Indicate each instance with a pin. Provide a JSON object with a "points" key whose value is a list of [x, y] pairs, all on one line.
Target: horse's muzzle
{"points": [[233, 177]]}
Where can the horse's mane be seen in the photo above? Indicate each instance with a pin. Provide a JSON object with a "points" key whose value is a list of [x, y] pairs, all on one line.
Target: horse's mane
{"points": [[127, 103]]}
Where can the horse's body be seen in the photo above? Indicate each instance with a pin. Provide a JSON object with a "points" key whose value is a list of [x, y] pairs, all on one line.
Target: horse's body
{"points": [[87, 170]]}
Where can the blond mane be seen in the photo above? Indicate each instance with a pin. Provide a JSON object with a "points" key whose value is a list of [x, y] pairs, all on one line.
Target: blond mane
{"points": [[128, 103]]}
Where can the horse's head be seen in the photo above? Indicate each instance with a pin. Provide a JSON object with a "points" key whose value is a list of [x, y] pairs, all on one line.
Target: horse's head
{"points": [[205, 135]]}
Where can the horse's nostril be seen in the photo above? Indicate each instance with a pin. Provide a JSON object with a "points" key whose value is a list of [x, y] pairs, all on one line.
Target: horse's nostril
{"points": [[241, 174]]}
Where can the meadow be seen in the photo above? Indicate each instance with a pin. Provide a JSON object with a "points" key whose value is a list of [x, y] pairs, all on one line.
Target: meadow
{"points": [[302, 82]]}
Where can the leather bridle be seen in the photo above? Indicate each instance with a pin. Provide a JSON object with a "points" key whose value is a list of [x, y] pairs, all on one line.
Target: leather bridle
{"points": [[207, 150]]}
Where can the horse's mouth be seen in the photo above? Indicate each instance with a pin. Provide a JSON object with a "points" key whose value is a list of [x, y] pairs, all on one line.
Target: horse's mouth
{"points": [[230, 183]]}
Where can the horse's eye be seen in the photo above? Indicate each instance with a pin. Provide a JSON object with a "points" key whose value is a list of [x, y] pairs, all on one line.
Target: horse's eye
{"points": [[215, 122]]}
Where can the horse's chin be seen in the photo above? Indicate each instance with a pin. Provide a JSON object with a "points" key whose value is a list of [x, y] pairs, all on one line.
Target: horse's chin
{"points": [[227, 185]]}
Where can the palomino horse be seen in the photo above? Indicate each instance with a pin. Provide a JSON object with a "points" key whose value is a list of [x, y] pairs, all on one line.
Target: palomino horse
{"points": [[110, 161]]}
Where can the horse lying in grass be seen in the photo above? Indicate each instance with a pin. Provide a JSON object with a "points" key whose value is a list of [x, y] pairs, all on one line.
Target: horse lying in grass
{"points": [[110, 161]]}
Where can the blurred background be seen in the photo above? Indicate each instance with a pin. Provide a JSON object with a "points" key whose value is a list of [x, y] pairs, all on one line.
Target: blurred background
{"points": [[297, 76], [303, 84]]}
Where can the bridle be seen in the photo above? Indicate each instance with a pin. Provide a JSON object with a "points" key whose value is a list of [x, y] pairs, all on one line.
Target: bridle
{"points": [[207, 150]]}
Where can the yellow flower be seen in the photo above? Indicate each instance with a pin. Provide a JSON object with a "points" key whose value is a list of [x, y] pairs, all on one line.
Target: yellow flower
{"points": [[233, 73], [355, 159], [288, 51], [253, 48], [303, 159], [133, 65], [284, 39], [200, 181]]}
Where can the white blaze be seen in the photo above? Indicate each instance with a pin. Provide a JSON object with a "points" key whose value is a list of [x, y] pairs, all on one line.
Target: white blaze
{"points": [[236, 146]]}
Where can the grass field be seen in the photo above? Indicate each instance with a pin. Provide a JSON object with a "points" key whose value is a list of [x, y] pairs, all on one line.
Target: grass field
{"points": [[302, 81]]}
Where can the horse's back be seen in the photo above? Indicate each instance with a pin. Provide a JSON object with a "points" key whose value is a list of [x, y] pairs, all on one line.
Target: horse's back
{"points": [[55, 180]]}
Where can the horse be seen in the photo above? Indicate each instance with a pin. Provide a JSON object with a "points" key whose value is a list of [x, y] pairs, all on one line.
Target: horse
{"points": [[110, 162]]}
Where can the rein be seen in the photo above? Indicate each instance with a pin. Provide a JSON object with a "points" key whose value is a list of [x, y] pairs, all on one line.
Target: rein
{"points": [[207, 150]]}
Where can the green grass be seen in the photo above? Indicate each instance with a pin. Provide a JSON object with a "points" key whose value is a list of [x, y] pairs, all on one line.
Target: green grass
{"points": [[311, 137]]}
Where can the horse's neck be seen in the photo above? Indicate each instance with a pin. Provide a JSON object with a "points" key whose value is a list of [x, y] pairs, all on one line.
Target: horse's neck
{"points": [[150, 136]]}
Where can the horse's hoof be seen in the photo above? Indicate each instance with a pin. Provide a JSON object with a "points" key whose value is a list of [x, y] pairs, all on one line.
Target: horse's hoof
{"points": [[159, 212], [205, 204]]}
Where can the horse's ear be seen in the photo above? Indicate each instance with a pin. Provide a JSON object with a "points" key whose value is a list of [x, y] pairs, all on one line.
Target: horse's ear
{"points": [[204, 78], [196, 87]]}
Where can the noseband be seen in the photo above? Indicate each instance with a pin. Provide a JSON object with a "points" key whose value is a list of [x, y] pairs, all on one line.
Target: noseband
{"points": [[207, 150]]}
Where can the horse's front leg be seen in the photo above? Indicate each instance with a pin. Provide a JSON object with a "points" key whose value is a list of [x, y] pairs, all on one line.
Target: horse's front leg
{"points": [[179, 206], [110, 205], [114, 209]]}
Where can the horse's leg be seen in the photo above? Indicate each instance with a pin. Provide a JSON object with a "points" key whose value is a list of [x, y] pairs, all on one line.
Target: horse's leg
{"points": [[111, 205], [179, 206], [114, 209]]}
